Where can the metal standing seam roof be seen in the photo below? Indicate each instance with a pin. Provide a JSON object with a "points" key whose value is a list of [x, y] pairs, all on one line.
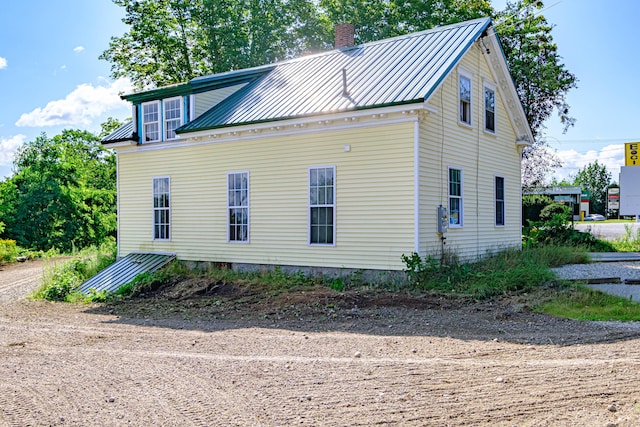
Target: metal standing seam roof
{"points": [[123, 133], [125, 270], [400, 70]]}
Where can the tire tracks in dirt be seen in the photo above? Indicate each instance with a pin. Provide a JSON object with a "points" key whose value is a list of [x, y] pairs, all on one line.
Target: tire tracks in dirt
{"points": [[65, 365]]}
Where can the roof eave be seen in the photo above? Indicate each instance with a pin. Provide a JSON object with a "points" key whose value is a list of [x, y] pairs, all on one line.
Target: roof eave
{"points": [[454, 63], [305, 116], [179, 89]]}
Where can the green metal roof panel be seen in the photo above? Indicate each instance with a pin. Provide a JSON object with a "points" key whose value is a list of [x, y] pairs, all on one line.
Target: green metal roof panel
{"points": [[394, 71], [159, 93], [123, 133], [125, 270], [199, 84]]}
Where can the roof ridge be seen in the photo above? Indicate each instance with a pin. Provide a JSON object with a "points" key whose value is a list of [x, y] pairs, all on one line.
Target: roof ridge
{"points": [[376, 42]]}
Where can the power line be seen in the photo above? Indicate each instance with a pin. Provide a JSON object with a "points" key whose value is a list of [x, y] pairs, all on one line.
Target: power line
{"points": [[592, 141]]}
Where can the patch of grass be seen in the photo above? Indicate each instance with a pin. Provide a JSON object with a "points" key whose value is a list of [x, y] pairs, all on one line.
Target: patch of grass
{"points": [[503, 273], [61, 280], [630, 242], [580, 302]]}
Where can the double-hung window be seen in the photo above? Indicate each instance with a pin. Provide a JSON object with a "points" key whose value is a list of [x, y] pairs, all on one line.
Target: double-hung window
{"points": [[151, 121], [489, 109], [161, 208], [238, 206], [161, 118], [455, 197], [464, 95], [172, 117], [322, 205], [499, 194]]}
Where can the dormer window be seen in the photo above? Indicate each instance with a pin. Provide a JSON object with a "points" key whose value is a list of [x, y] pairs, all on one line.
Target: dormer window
{"points": [[151, 121], [172, 117], [161, 118]]}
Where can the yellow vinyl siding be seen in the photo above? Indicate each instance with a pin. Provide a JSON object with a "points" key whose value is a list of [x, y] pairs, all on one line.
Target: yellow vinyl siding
{"points": [[374, 198], [444, 143]]}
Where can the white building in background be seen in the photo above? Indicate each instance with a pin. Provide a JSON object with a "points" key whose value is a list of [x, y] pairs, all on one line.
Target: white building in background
{"points": [[630, 181]]}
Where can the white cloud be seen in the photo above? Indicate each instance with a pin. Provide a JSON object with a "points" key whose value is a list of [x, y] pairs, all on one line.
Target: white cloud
{"points": [[8, 148], [612, 156], [3, 63], [78, 48], [80, 107]]}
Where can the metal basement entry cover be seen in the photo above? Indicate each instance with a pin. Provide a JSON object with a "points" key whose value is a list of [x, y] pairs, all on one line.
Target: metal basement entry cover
{"points": [[124, 271]]}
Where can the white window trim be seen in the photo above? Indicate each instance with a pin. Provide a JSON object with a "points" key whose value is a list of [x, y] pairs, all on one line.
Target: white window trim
{"points": [[492, 88], [153, 211], [164, 116], [461, 197], [333, 205], [469, 77], [241, 242], [162, 123], [144, 133], [495, 201]]}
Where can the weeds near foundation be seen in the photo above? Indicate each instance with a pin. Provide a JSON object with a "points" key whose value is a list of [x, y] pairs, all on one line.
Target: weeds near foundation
{"points": [[61, 279], [503, 273]]}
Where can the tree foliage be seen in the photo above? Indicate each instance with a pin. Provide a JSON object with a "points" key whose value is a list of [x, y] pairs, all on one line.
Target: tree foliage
{"points": [[172, 41], [62, 194], [541, 79], [596, 178], [538, 163]]}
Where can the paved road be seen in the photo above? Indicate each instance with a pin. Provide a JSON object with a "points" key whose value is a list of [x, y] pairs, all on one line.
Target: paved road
{"points": [[609, 230]]}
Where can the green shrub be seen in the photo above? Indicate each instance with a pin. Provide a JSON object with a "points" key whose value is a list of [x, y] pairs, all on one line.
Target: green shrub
{"points": [[532, 205], [555, 229], [8, 250], [61, 280]]}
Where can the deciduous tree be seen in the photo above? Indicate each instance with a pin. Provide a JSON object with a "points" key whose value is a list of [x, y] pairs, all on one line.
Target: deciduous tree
{"points": [[596, 178], [541, 79], [62, 194], [172, 41]]}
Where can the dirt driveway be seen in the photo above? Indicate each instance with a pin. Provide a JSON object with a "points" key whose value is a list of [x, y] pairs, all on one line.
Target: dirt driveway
{"points": [[76, 365]]}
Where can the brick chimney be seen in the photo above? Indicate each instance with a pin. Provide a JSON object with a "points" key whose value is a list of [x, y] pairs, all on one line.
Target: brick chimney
{"points": [[344, 35]]}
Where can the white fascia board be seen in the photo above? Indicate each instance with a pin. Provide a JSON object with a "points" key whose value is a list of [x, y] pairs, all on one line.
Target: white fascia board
{"points": [[327, 122], [501, 74]]}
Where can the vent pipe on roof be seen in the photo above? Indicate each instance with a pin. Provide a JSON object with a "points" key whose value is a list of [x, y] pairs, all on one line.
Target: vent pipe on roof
{"points": [[345, 91], [344, 35]]}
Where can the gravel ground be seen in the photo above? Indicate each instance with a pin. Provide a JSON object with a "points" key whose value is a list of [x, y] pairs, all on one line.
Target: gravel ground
{"points": [[624, 271], [428, 363]]}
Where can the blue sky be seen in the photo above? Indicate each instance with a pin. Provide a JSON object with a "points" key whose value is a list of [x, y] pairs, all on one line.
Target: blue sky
{"points": [[51, 77]]}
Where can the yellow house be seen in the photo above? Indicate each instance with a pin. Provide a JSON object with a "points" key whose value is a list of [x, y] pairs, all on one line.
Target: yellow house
{"points": [[339, 160]]}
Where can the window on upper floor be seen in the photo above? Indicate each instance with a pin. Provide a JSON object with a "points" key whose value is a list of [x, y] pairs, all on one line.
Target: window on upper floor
{"points": [[172, 117], [151, 121], [489, 109], [464, 95], [161, 118], [455, 197]]}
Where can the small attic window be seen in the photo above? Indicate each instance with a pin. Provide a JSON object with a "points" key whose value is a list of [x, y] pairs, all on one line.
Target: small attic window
{"points": [[465, 99], [489, 109]]}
